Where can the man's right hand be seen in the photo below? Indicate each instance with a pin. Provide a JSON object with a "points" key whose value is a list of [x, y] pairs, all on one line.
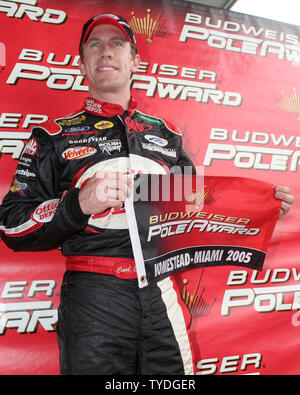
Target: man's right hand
{"points": [[103, 191]]}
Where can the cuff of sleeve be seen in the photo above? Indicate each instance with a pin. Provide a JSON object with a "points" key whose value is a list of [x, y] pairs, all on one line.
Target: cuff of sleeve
{"points": [[73, 209]]}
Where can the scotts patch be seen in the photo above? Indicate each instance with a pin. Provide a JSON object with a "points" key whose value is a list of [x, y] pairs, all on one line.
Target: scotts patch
{"points": [[31, 147], [45, 211], [78, 152], [149, 119], [18, 186], [156, 140], [104, 125]]}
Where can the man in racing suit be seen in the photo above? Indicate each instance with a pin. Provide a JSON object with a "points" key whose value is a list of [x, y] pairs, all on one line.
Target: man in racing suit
{"points": [[72, 198], [106, 325]]}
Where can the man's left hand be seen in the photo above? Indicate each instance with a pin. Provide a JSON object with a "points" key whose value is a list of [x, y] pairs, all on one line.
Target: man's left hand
{"points": [[283, 193]]}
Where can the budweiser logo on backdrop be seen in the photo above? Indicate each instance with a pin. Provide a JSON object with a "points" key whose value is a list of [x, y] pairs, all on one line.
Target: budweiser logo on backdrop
{"points": [[195, 300], [30, 9], [291, 103], [150, 26]]}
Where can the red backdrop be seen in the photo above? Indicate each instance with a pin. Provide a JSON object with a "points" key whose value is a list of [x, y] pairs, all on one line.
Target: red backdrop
{"points": [[229, 82]]}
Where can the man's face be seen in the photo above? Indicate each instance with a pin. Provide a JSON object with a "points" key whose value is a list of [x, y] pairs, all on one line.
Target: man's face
{"points": [[107, 60]]}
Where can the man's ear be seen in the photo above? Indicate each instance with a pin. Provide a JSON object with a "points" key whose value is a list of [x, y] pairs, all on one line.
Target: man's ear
{"points": [[81, 67], [136, 63]]}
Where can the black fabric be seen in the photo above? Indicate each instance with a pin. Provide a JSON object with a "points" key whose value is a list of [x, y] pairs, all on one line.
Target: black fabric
{"points": [[108, 326]]}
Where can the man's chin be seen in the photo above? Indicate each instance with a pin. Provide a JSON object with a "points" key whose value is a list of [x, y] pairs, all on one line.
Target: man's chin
{"points": [[108, 86]]}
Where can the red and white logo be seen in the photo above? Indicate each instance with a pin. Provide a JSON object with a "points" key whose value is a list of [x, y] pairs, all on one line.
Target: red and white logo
{"points": [[31, 147], [78, 152], [133, 126], [45, 211], [93, 106]]}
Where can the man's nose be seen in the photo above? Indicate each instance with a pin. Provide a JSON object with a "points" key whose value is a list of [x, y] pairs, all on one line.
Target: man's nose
{"points": [[106, 51]]}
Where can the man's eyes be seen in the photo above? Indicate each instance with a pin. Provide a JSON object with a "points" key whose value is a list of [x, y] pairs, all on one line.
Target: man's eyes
{"points": [[117, 43]]}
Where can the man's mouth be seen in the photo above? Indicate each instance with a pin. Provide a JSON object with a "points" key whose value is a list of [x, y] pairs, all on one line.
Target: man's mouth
{"points": [[106, 68]]}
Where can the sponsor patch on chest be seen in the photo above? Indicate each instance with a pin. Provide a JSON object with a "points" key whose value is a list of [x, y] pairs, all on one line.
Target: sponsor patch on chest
{"points": [[78, 152]]}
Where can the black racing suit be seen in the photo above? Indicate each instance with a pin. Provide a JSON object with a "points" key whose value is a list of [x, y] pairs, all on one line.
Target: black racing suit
{"points": [[41, 211]]}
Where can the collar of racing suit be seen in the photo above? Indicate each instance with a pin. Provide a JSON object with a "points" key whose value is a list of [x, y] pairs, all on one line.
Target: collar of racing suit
{"points": [[105, 109]]}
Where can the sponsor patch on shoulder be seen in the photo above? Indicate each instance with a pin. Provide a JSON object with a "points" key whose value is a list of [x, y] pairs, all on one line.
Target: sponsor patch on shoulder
{"points": [[31, 147], [156, 140], [156, 148], [72, 121], [45, 211], [18, 186], [149, 119]]}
